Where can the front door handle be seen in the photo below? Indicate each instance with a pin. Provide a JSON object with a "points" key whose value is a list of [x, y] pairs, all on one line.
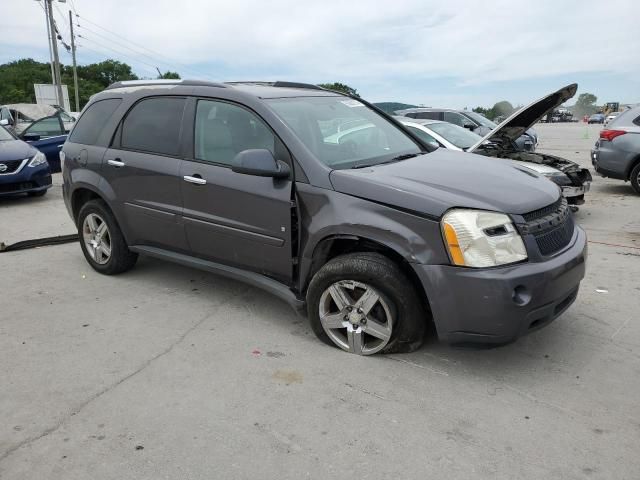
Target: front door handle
{"points": [[197, 179], [116, 163]]}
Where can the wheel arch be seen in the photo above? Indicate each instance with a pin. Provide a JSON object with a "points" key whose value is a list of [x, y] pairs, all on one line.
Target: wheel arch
{"points": [[334, 245]]}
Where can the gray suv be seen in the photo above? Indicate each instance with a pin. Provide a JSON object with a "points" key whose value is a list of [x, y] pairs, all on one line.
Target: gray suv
{"points": [[616, 154], [326, 202]]}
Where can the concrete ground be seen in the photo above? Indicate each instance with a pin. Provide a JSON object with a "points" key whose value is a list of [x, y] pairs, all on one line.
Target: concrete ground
{"points": [[166, 372]]}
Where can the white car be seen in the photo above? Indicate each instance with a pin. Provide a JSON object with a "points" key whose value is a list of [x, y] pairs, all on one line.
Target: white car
{"points": [[610, 118], [569, 176]]}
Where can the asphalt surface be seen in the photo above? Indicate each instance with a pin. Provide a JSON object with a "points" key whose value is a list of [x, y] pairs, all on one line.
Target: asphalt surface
{"points": [[167, 372]]}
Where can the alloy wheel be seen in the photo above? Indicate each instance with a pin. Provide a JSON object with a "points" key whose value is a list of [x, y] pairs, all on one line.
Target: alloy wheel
{"points": [[356, 317], [97, 239]]}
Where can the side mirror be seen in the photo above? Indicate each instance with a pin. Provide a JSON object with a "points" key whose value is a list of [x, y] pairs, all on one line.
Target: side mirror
{"points": [[261, 163], [31, 137], [469, 125], [4, 122]]}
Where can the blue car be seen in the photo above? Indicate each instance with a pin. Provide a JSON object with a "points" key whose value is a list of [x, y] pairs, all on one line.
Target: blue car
{"points": [[23, 168], [47, 134]]}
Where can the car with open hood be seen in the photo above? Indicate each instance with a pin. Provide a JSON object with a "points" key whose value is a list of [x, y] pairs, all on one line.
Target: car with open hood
{"points": [[371, 232], [473, 121], [574, 180], [574, 183]]}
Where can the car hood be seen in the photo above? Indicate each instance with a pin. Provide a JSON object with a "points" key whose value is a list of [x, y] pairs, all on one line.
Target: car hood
{"points": [[433, 183], [15, 150], [520, 121]]}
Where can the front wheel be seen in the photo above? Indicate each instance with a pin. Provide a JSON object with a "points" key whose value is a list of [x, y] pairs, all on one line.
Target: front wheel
{"points": [[101, 240], [364, 304]]}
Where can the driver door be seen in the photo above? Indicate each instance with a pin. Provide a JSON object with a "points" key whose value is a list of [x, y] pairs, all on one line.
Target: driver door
{"points": [[232, 218]]}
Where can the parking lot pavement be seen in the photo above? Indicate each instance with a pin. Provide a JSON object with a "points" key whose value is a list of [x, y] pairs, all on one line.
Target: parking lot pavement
{"points": [[167, 372], [25, 218]]}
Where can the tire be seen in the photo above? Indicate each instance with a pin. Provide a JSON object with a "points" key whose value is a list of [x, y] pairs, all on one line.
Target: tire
{"points": [[98, 229], [41, 193], [634, 178], [397, 319]]}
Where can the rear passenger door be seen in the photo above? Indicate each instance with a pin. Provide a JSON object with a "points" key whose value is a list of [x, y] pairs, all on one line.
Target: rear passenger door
{"points": [[232, 218], [142, 167]]}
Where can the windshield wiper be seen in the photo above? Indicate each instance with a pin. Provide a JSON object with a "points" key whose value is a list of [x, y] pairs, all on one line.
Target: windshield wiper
{"points": [[391, 160]]}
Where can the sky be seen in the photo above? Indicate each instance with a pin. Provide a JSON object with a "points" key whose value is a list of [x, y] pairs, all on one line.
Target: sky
{"points": [[453, 53]]}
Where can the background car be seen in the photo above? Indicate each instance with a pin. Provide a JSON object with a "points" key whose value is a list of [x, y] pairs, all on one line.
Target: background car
{"points": [[616, 154], [611, 117], [19, 116], [47, 135], [470, 120], [453, 137], [23, 168], [596, 118]]}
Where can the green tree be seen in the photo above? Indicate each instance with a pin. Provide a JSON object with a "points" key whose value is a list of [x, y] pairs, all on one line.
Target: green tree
{"points": [[503, 108], [169, 76], [340, 87], [586, 104], [17, 79]]}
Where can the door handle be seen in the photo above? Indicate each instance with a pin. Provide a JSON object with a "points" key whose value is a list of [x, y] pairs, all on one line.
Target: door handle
{"points": [[116, 163], [196, 179]]}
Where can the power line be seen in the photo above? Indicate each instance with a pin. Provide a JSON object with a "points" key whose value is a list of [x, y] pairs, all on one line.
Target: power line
{"points": [[156, 54], [153, 67]]}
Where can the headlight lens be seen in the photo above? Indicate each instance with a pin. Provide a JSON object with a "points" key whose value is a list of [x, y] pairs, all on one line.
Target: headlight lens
{"points": [[477, 238], [38, 159]]}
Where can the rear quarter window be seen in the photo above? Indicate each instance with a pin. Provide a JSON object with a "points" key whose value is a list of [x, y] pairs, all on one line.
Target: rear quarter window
{"points": [[89, 126]]}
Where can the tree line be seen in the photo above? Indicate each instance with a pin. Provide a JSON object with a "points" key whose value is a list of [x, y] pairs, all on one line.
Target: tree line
{"points": [[17, 79]]}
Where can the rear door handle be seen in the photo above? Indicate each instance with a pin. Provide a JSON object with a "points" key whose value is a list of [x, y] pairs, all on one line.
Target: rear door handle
{"points": [[197, 179], [116, 163]]}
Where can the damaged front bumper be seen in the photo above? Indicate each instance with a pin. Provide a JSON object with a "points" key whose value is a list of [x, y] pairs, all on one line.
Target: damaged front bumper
{"points": [[498, 305]]}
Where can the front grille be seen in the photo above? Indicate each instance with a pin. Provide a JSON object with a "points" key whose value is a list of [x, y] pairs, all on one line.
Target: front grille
{"points": [[555, 240], [552, 226], [12, 165], [543, 212]]}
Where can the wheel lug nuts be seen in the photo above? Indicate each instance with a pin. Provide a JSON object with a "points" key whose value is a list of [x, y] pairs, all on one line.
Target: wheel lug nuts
{"points": [[349, 308], [363, 321], [360, 310], [346, 317]]}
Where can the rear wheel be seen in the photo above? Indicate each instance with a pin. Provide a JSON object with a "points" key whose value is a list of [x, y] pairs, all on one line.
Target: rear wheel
{"points": [[635, 178], [102, 241], [364, 304]]}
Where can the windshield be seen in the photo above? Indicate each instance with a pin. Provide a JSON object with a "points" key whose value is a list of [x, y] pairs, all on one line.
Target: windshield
{"points": [[481, 119], [460, 137], [343, 132], [4, 135]]}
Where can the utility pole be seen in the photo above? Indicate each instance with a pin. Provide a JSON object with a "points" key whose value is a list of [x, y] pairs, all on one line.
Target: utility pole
{"points": [[56, 60], [46, 17], [73, 55]]}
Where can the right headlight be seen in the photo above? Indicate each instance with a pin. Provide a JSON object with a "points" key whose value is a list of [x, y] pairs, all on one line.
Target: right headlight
{"points": [[477, 238]]}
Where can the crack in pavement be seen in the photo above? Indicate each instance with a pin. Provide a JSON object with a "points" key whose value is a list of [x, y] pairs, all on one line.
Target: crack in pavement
{"points": [[78, 409]]}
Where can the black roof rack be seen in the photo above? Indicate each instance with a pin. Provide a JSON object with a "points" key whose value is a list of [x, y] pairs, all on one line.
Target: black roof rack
{"points": [[280, 84], [150, 83]]}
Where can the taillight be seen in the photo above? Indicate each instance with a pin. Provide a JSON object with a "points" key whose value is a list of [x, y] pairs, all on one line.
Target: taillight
{"points": [[611, 134]]}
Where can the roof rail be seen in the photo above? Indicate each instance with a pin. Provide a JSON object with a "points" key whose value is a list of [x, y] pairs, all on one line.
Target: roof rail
{"points": [[280, 84], [149, 83]]}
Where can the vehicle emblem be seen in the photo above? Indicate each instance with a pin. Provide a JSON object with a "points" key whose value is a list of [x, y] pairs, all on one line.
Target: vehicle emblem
{"points": [[3, 167]]}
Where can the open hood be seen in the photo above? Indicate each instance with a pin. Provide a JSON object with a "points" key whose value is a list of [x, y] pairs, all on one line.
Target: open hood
{"points": [[519, 122]]}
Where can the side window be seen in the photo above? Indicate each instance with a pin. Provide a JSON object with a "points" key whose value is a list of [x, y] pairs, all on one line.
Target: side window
{"points": [[637, 120], [455, 118], [428, 115], [89, 126], [222, 130], [5, 115], [153, 125], [424, 136], [45, 127]]}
